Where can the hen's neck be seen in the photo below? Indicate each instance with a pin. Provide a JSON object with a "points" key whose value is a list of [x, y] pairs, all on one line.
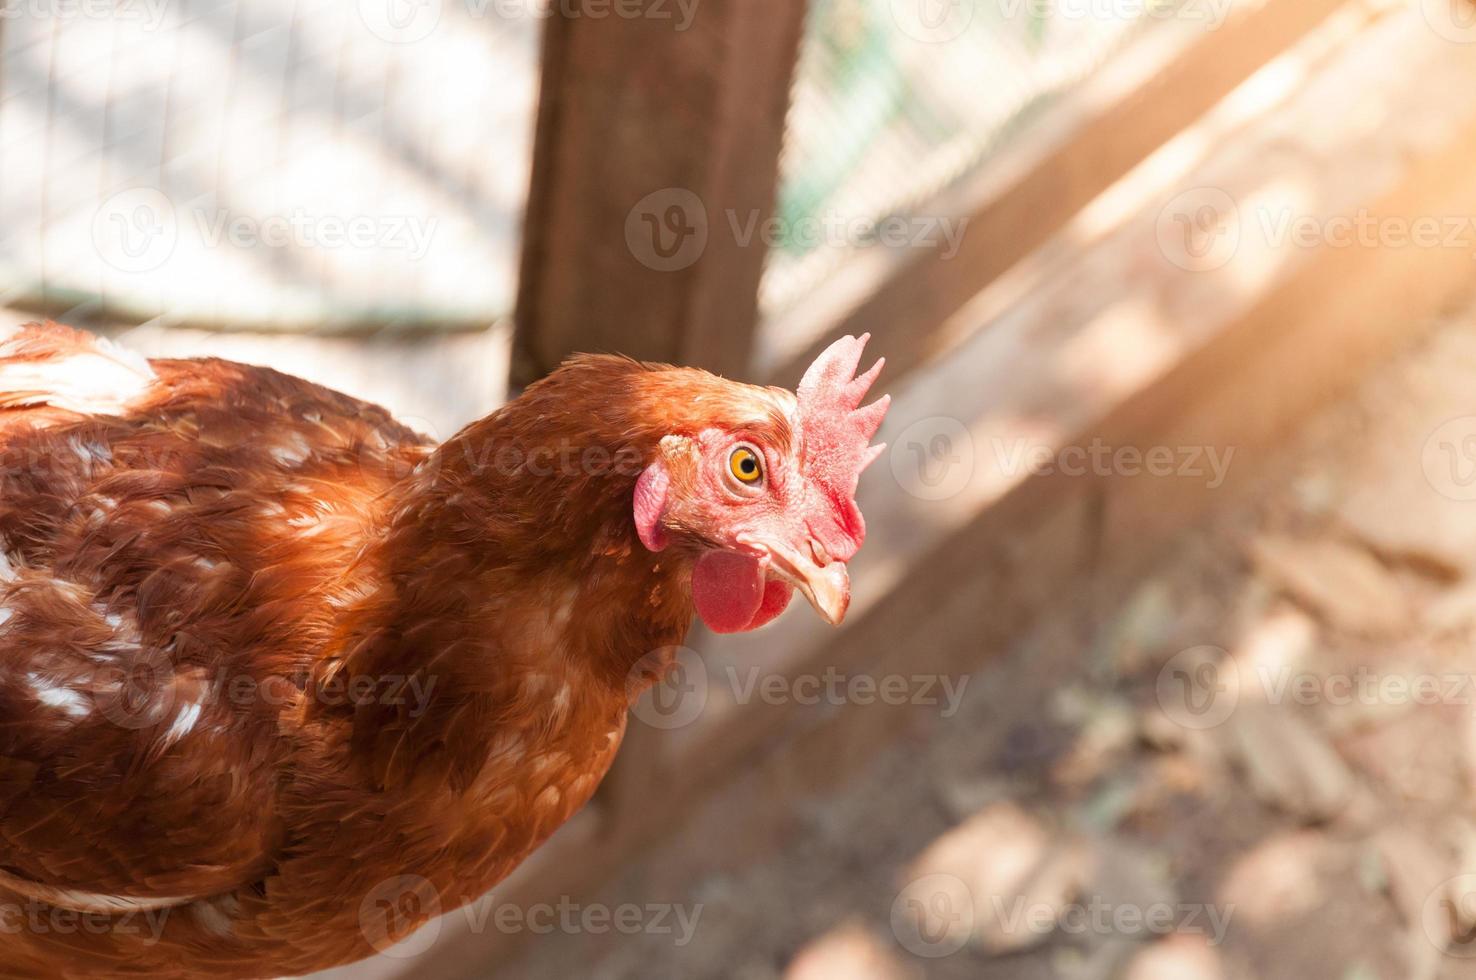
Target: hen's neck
{"points": [[512, 553]]}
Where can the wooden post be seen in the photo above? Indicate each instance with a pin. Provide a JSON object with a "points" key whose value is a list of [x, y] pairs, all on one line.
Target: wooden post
{"points": [[659, 130]]}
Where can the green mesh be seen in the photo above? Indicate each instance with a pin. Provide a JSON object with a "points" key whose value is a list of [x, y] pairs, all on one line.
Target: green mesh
{"points": [[895, 100]]}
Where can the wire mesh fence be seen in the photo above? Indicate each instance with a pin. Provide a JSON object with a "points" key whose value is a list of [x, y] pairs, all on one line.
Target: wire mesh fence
{"points": [[274, 164], [330, 165], [895, 100]]}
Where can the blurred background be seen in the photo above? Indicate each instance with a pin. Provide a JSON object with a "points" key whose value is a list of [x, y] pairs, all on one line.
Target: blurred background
{"points": [[1160, 661]]}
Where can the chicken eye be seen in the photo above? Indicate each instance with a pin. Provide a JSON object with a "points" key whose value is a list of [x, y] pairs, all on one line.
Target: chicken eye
{"points": [[746, 466]]}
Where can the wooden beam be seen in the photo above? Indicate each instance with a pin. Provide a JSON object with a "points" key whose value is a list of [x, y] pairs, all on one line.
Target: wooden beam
{"points": [[1276, 332], [1126, 344], [654, 126], [1022, 199]]}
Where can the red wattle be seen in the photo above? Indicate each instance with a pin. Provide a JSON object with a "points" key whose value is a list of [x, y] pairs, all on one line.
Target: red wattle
{"points": [[776, 599], [731, 592]]}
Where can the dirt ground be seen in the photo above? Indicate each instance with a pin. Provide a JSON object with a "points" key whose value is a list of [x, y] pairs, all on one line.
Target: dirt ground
{"points": [[1259, 766]]}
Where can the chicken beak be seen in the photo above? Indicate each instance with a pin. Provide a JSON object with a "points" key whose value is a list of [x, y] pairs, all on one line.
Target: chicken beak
{"points": [[828, 587]]}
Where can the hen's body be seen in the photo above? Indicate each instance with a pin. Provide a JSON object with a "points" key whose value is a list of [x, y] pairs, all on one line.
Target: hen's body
{"points": [[263, 652]]}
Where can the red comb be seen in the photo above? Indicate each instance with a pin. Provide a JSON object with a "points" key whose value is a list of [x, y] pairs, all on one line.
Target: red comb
{"points": [[837, 430]]}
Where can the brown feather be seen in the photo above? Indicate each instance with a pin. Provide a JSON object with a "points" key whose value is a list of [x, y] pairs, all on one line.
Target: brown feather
{"points": [[264, 649]]}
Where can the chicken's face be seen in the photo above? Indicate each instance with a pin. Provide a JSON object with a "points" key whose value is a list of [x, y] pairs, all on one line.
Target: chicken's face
{"points": [[766, 497]]}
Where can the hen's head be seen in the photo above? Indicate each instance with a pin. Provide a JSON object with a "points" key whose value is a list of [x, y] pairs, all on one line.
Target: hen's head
{"points": [[764, 491]]}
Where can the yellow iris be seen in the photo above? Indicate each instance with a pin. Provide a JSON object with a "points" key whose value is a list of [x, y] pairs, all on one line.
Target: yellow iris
{"points": [[745, 466]]}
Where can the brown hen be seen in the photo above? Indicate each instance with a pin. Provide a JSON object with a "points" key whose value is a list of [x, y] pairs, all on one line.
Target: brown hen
{"points": [[265, 653]]}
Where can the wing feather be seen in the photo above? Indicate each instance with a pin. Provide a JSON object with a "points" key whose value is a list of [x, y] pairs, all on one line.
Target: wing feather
{"points": [[173, 537]]}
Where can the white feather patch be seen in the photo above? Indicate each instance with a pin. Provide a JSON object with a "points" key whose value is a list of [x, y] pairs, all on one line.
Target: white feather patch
{"points": [[105, 379], [58, 696], [184, 723], [80, 901]]}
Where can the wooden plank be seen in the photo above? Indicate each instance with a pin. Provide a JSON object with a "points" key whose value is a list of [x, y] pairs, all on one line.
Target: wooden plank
{"points": [[1121, 345], [1025, 197], [652, 129], [1250, 363], [981, 576], [1270, 357]]}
